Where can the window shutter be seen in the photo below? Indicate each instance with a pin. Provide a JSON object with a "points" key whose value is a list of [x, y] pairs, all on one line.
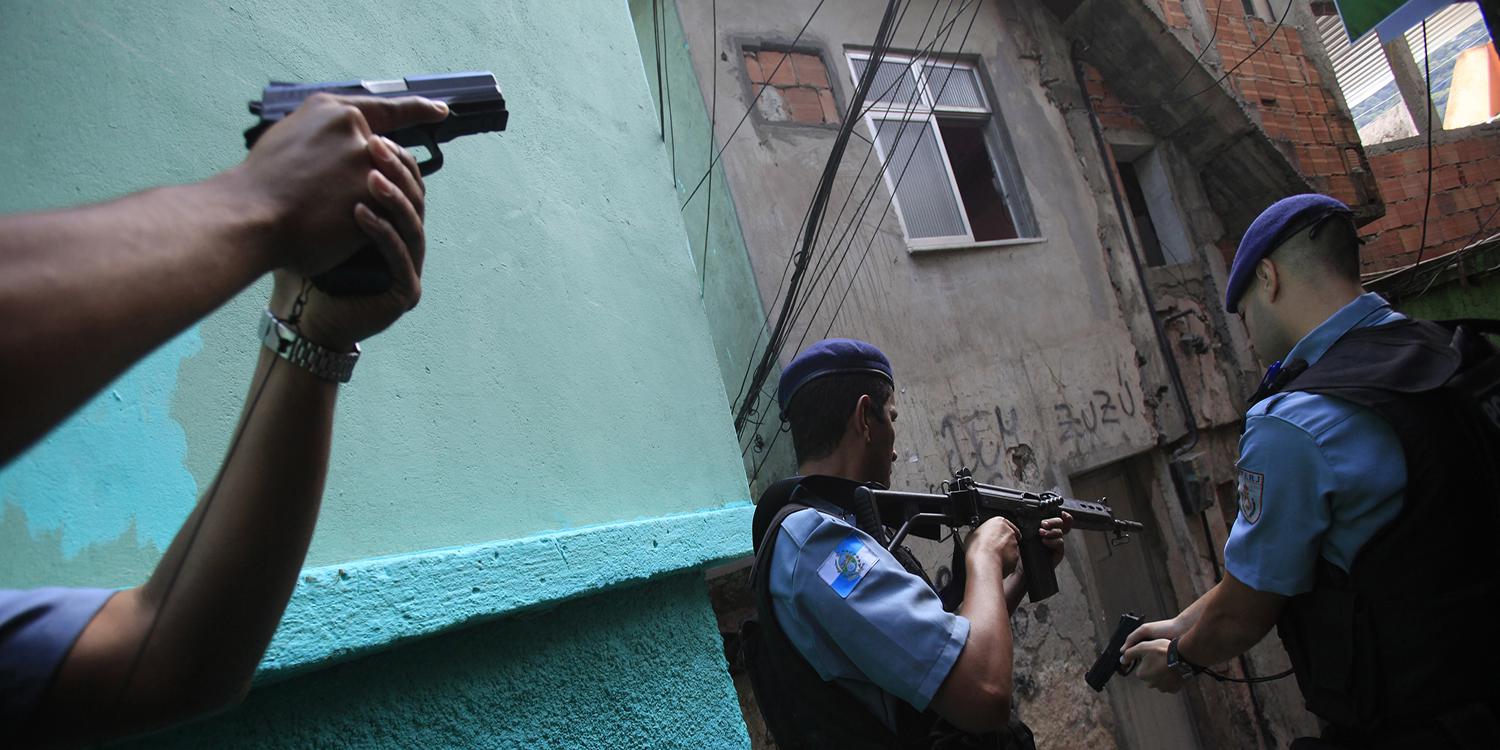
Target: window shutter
{"points": [[928, 205]]}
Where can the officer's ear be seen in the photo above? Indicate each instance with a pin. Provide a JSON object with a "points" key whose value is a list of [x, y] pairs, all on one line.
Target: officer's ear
{"points": [[1269, 278], [864, 411]]}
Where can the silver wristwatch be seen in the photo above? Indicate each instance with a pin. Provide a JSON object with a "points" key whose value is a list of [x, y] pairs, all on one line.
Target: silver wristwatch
{"points": [[335, 367]]}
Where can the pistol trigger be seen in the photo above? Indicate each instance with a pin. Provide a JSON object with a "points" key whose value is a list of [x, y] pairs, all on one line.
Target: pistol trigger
{"points": [[435, 161]]}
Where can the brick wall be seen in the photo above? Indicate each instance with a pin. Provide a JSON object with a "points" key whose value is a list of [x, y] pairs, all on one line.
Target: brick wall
{"points": [[1283, 88], [796, 87], [1465, 193], [1113, 113]]}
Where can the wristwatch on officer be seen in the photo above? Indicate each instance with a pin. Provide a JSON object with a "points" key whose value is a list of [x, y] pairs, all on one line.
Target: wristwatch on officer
{"points": [[327, 364], [1184, 668]]}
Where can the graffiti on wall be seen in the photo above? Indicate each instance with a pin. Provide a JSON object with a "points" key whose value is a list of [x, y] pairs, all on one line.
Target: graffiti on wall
{"points": [[1103, 409]]}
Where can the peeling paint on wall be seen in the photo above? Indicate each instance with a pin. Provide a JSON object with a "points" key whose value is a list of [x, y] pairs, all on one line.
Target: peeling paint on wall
{"points": [[117, 464]]}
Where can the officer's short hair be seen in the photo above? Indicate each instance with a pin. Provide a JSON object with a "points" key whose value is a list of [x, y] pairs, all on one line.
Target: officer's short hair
{"points": [[819, 412], [1329, 246]]}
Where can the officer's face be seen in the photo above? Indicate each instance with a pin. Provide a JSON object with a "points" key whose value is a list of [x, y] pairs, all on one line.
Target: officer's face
{"points": [[1265, 335], [881, 455]]}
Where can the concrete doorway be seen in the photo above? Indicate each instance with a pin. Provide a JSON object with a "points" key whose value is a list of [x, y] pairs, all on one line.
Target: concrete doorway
{"points": [[1132, 578]]}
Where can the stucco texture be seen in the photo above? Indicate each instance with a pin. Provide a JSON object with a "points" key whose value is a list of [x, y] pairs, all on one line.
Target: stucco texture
{"points": [[637, 668], [559, 372]]}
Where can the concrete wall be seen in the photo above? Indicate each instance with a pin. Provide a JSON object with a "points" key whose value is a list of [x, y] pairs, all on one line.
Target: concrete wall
{"points": [[550, 422], [638, 668]]}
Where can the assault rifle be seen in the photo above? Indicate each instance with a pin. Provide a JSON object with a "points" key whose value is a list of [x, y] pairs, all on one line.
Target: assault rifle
{"points": [[475, 105], [965, 502]]}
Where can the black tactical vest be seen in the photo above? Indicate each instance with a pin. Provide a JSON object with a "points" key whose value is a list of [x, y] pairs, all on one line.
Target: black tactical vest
{"points": [[800, 708], [1402, 646]]}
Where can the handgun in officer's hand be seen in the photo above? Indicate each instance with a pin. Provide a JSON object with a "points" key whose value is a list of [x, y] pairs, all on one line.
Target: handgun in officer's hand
{"points": [[1108, 663], [965, 502], [475, 105]]}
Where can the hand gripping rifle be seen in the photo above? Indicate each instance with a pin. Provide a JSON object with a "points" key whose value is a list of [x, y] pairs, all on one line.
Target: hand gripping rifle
{"points": [[965, 502]]}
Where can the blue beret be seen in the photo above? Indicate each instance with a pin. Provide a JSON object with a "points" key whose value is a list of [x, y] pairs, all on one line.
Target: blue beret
{"points": [[830, 357], [1274, 226]]}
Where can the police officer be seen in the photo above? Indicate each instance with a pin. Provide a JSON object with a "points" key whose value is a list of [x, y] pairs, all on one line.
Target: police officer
{"points": [[1367, 492], [853, 648]]}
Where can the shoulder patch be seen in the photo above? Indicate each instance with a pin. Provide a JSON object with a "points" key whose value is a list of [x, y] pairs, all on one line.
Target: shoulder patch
{"points": [[1251, 488], [847, 565]]}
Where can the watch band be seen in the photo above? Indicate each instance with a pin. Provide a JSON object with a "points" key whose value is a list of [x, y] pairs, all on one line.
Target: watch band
{"points": [[1181, 666], [335, 367]]}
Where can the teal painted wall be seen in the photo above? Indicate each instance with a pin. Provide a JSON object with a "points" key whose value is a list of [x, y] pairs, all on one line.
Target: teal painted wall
{"points": [[548, 425], [731, 298], [606, 673], [559, 371]]}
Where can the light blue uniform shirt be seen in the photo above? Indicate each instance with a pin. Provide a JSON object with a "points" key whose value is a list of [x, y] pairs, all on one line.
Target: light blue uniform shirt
{"points": [[1317, 475], [857, 616]]}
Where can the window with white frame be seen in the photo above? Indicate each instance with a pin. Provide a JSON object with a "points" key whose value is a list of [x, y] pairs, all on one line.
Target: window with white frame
{"points": [[947, 158]]}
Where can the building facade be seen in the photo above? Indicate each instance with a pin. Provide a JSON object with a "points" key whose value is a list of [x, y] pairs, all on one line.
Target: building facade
{"points": [[1033, 219]]}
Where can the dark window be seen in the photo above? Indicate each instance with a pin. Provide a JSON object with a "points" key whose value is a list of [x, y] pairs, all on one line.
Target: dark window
{"points": [[1141, 215]]}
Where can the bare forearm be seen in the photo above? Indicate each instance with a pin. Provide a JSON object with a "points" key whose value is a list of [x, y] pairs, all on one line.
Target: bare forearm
{"points": [[91, 290], [1227, 622], [234, 562], [976, 694], [989, 630], [235, 580]]}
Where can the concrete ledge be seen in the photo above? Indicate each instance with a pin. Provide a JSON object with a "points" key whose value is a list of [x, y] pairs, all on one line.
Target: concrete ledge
{"points": [[343, 611]]}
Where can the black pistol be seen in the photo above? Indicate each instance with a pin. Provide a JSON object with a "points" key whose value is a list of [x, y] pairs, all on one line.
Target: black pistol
{"points": [[1108, 662], [475, 105]]}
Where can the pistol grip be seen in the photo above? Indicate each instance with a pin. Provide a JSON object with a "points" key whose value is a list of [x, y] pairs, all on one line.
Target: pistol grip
{"points": [[1108, 663], [365, 272]]}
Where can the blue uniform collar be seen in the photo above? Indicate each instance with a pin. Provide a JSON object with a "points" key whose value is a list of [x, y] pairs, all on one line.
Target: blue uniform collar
{"points": [[1357, 314]]}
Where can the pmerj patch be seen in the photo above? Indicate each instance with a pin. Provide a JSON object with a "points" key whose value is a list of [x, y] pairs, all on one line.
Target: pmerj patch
{"points": [[1252, 485], [847, 565]]}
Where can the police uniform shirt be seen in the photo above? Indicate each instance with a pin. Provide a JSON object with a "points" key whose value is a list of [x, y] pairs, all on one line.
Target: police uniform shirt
{"points": [[857, 616], [1317, 474], [37, 629]]}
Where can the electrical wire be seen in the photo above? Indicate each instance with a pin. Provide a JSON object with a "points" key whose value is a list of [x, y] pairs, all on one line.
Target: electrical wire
{"points": [[870, 195], [1458, 255], [656, 39], [667, 100], [1427, 204], [820, 201], [751, 107], [925, 51], [913, 101], [1218, 11], [1226, 74], [781, 282], [713, 119], [866, 202], [1248, 680]]}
